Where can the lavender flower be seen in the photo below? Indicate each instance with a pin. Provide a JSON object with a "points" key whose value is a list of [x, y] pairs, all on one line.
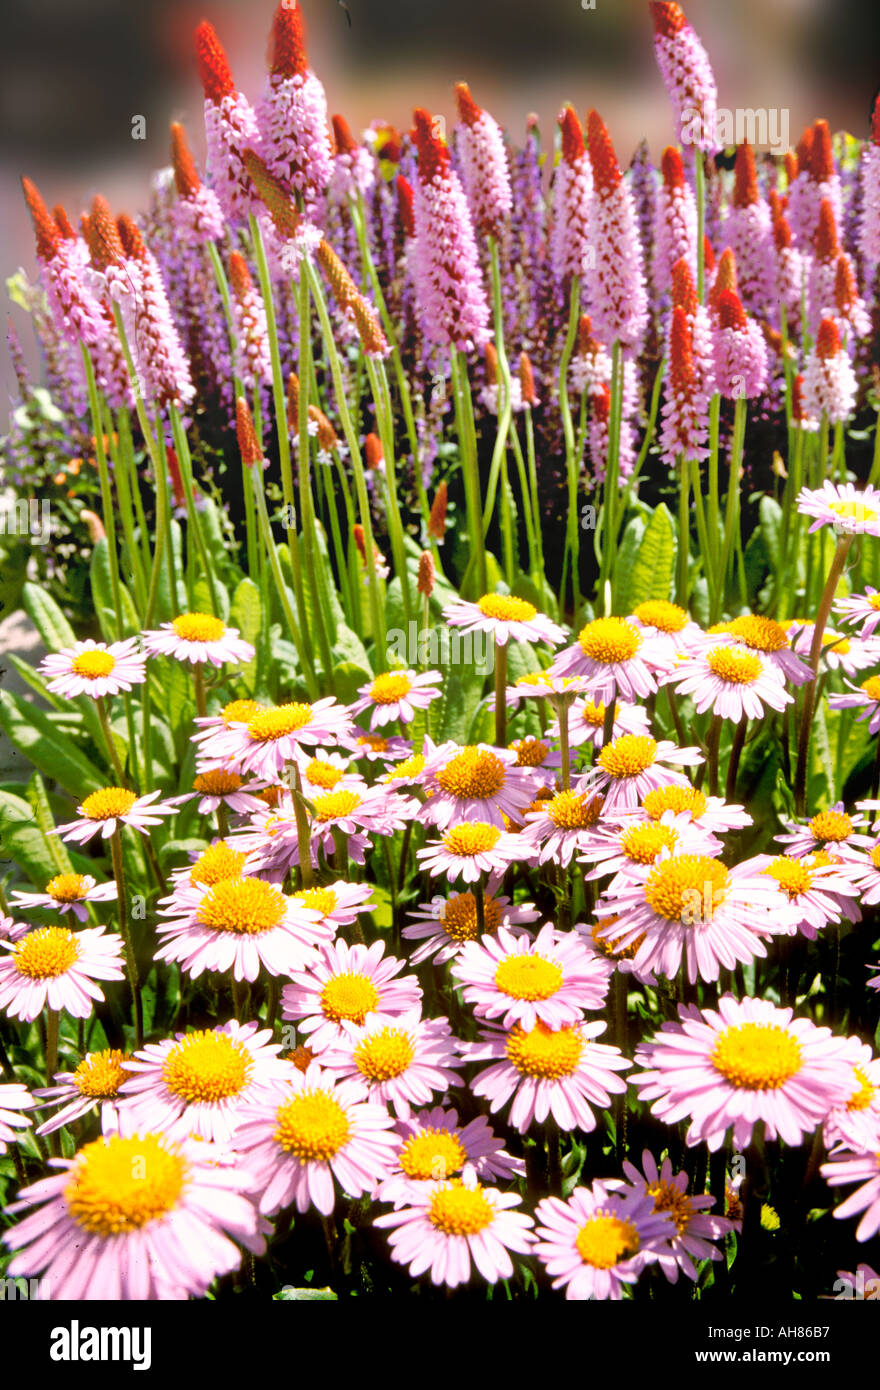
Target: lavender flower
{"points": [[619, 298], [484, 164], [292, 115]]}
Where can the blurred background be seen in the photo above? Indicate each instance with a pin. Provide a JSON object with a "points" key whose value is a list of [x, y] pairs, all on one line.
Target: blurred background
{"points": [[75, 73]]}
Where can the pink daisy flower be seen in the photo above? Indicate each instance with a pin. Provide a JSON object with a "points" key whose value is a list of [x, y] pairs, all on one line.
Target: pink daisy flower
{"points": [[629, 767], [396, 695], [561, 825], [197, 1083], [819, 888], [586, 722], [14, 1097], [537, 755], [839, 653], [710, 813], [666, 623], [542, 685], [357, 813], [134, 1216], [747, 1063], [93, 668], [376, 748], [457, 1223], [67, 893], [520, 981], [339, 904], [847, 509], [855, 1122], [599, 1240], [846, 1167], [471, 849], [632, 847], [865, 697], [693, 1230], [732, 681], [399, 1061], [343, 988], [308, 1131], [94, 1084], [196, 638], [437, 1148], [505, 618], [476, 783], [445, 925], [833, 830], [266, 741], [105, 811], [867, 877], [56, 968], [220, 788], [559, 1072], [216, 738], [861, 608], [764, 636], [616, 658]]}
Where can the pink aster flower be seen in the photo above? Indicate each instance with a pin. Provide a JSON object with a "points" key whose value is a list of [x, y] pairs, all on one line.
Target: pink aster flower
{"points": [[456, 1224], [341, 991], [484, 166], [693, 1229], [134, 1216], [572, 249], [557, 827], [627, 768], [218, 788], [478, 782], [400, 1061], [521, 981], [264, 742], [830, 388], [861, 608], [56, 968], [855, 1122], [436, 1148], [67, 893], [471, 849], [767, 638], [632, 846], [13, 1099], [196, 638], [230, 128], [356, 814], [819, 888], [93, 1085], [687, 74], [586, 722], [846, 508], [865, 697], [869, 224], [834, 831], [710, 813], [93, 668], [733, 681], [450, 296], [340, 903], [376, 748], [845, 1167], [105, 811], [745, 1064], [600, 1239], [292, 115], [740, 351], [505, 618], [867, 876], [616, 659], [618, 299], [560, 1072], [446, 924], [848, 654], [396, 695], [675, 222]]}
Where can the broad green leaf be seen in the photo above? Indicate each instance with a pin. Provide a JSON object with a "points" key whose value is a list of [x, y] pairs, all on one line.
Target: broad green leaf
{"points": [[654, 568], [246, 614], [47, 618], [770, 513], [22, 840], [39, 800], [624, 563], [35, 735], [102, 596]]}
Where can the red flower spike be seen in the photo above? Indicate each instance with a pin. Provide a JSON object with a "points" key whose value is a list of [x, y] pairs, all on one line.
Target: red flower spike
{"points": [[186, 179], [468, 109], [345, 291], [725, 277], [405, 206], [527, 380], [437, 514], [845, 291], [804, 150], [345, 141], [102, 235], [797, 397], [433, 154], [130, 236], [427, 574], [606, 170], [358, 532], [821, 155], [826, 242], [668, 18], [731, 313], [745, 187], [585, 339], [248, 444], [62, 222], [287, 50], [572, 135], [47, 234], [214, 68], [708, 256], [601, 403], [776, 203], [681, 357], [875, 123], [176, 477], [239, 275], [374, 454], [673, 168], [827, 340], [293, 401], [273, 194], [684, 293], [792, 164], [390, 148], [781, 232], [491, 364]]}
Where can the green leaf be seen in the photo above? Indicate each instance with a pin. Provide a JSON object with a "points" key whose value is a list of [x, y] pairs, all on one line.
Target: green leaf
{"points": [[202, 601], [348, 677], [625, 562], [102, 596], [35, 735], [770, 513], [22, 839], [654, 568], [246, 613], [47, 618], [45, 821]]}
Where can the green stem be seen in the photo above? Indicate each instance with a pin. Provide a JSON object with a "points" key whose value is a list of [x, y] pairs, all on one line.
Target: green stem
{"points": [[501, 694], [125, 928], [181, 444], [837, 567], [101, 707], [572, 544]]}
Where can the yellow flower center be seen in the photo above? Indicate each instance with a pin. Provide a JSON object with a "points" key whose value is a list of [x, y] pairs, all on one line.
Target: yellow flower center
{"points": [[667, 617], [323, 774], [100, 1075], [216, 863], [506, 608], [676, 799], [609, 948], [737, 668], [241, 711], [834, 639], [687, 887], [528, 977], [864, 1093], [312, 1126], [46, 953], [871, 687], [544, 1053], [593, 714], [245, 906], [460, 916], [67, 888], [792, 875], [606, 1240], [217, 783], [574, 810], [198, 627], [408, 770], [349, 996], [93, 664], [853, 511], [875, 602], [385, 1054], [530, 752], [107, 803], [761, 634], [756, 1056], [272, 724], [435, 1154], [321, 900], [374, 743], [610, 640], [120, 1185], [207, 1066], [875, 856], [667, 1197], [642, 843], [460, 1211], [392, 686], [628, 755], [475, 837], [335, 805], [831, 827], [474, 773]]}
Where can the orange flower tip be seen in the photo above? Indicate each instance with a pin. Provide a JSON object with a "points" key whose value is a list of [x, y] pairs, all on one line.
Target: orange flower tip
{"points": [[214, 68], [804, 150], [781, 232], [745, 185], [827, 340], [437, 514], [673, 168], [821, 155], [94, 525], [62, 222], [239, 275], [792, 164], [433, 155], [468, 109], [248, 444], [875, 122], [176, 477], [844, 284], [358, 532], [287, 51], [601, 403], [572, 135], [585, 339], [731, 313], [725, 276], [373, 451], [684, 294], [186, 179], [102, 235], [668, 18], [827, 244], [345, 141], [491, 355], [527, 380], [708, 255], [681, 363], [47, 234], [426, 575], [606, 170], [273, 194], [293, 400], [405, 206], [130, 236]]}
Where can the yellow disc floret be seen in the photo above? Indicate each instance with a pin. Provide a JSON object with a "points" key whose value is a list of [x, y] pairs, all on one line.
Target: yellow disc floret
{"points": [[606, 1240], [241, 711], [642, 843], [864, 1093], [433, 1154], [544, 1053], [216, 863], [459, 916], [759, 633], [120, 1185], [674, 798], [198, 627], [734, 667], [384, 1055], [460, 1211], [506, 609], [323, 774], [207, 1067], [831, 827], [871, 687], [792, 875], [107, 803], [217, 783], [312, 1126], [687, 887], [530, 752], [473, 774], [756, 1056], [528, 977], [244, 906], [387, 689], [573, 810], [67, 888], [271, 724], [474, 837], [336, 805], [321, 900], [628, 755], [46, 953], [350, 996], [666, 617], [100, 1075], [93, 664], [668, 1197], [610, 640]]}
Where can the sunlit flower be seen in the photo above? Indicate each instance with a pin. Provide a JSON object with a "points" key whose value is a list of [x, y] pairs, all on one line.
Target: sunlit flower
{"points": [[446, 924], [861, 608], [694, 1229], [855, 1122], [732, 681], [105, 811], [436, 1148], [616, 658], [478, 782], [220, 788], [197, 638], [599, 1240], [396, 695], [399, 1061], [342, 988], [833, 830], [505, 618], [94, 668], [67, 892], [845, 1167], [629, 767], [819, 888], [94, 1084], [263, 742], [56, 968], [865, 697], [470, 849], [13, 1099], [586, 722], [560, 825]]}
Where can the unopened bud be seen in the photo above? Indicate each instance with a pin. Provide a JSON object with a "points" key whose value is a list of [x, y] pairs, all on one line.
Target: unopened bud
{"points": [[248, 444], [94, 525], [426, 579], [437, 515], [374, 454]]}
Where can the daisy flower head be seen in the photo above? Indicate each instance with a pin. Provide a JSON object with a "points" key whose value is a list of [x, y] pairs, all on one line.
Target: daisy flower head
{"points": [[399, 1061], [747, 1063], [635, 843], [848, 510], [819, 888], [371, 747], [561, 825], [710, 813], [666, 623], [617, 659], [545, 1071], [343, 988], [733, 681], [339, 904], [536, 754], [471, 849], [196, 638], [356, 813], [93, 1084], [634, 764], [94, 668], [446, 924], [14, 1097], [396, 695], [599, 1240], [134, 1216], [220, 860], [217, 787], [477, 782], [322, 772], [834, 831], [586, 722], [216, 738], [242, 924], [308, 1131], [867, 877], [693, 1230], [269, 739], [437, 1148], [110, 808], [197, 1083], [865, 698], [521, 981], [458, 1224], [67, 893], [767, 638], [505, 618], [846, 1166], [855, 1122], [840, 653], [543, 685], [861, 608], [56, 968]]}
